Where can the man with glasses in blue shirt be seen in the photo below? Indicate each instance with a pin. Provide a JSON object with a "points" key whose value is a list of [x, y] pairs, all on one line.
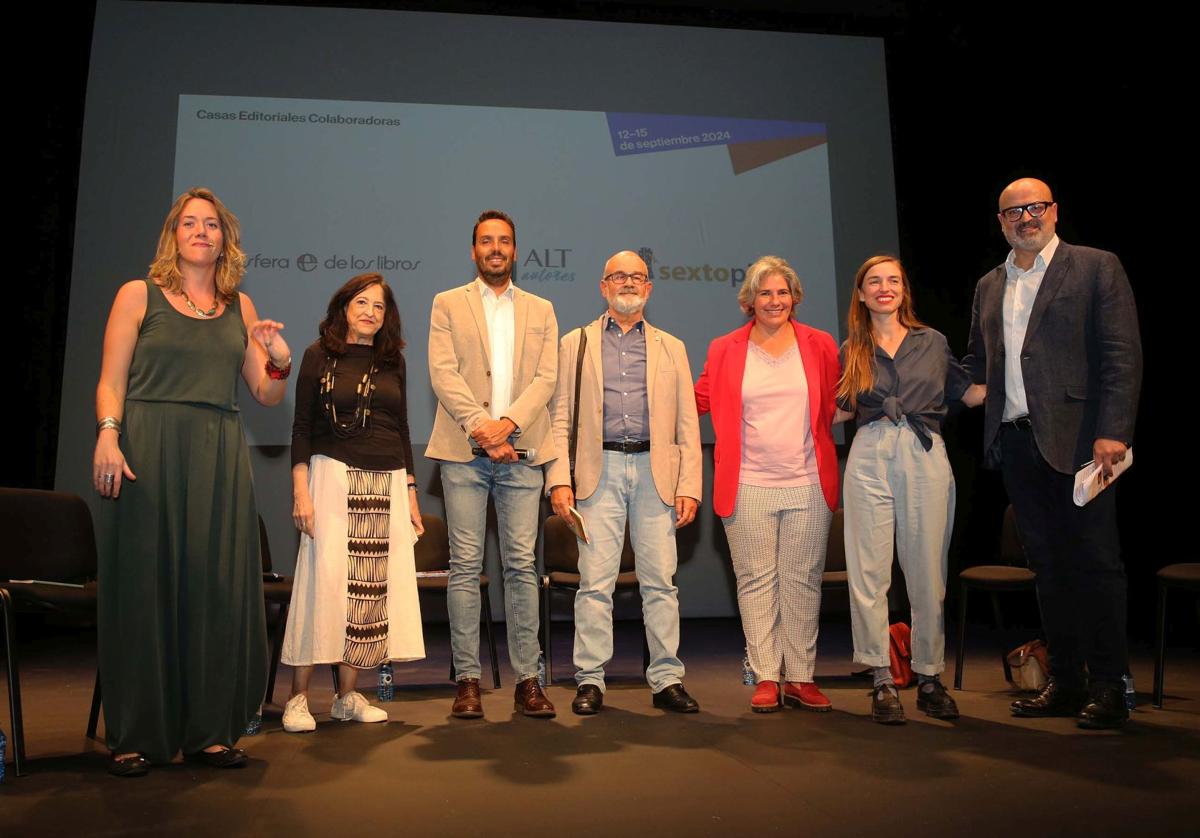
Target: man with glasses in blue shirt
{"points": [[637, 460], [1054, 336]]}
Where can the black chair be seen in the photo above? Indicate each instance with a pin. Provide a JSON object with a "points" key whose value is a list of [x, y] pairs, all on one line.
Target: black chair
{"points": [[433, 575], [834, 577], [995, 579], [1182, 577], [561, 561], [277, 594], [48, 536]]}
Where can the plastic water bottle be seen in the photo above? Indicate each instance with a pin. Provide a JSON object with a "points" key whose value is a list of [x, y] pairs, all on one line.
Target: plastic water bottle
{"points": [[1130, 692], [748, 677], [541, 676], [387, 689], [254, 726]]}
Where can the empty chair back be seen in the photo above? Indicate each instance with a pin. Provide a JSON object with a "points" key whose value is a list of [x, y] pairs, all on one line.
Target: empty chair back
{"points": [[264, 546], [1011, 551], [432, 549], [46, 536], [835, 550], [562, 548]]}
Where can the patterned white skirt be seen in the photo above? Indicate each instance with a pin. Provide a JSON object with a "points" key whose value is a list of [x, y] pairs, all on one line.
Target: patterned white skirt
{"points": [[354, 598]]}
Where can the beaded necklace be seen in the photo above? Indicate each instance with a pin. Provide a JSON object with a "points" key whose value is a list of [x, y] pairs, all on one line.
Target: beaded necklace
{"points": [[360, 420]]}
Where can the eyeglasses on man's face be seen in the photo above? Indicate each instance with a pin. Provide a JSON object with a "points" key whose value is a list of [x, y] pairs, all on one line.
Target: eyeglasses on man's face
{"points": [[1036, 210], [620, 278]]}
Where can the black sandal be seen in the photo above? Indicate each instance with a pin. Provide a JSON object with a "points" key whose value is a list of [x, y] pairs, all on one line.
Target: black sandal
{"points": [[226, 758], [131, 766]]}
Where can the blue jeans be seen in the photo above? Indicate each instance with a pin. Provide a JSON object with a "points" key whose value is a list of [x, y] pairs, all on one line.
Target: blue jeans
{"points": [[516, 489], [626, 490]]}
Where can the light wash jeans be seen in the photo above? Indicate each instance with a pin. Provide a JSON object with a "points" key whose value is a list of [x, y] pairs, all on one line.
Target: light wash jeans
{"points": [[517, 490], [626, 491], [894, 488]]}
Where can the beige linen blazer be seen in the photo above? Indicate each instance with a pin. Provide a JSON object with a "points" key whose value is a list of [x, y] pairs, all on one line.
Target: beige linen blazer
{"points": [[460, 371], [674, 428]]}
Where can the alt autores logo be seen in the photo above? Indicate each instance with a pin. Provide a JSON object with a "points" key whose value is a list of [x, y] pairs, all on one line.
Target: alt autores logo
{"points": [[661, 272], [308, 262], [546, 264]]}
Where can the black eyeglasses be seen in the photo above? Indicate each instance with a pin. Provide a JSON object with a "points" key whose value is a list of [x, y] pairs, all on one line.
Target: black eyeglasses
{"points": [[620, 278], [1036, 210]]}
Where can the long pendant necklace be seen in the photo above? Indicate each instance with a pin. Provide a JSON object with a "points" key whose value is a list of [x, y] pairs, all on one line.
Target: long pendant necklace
{"points": [[359, 421], [199, 312]]}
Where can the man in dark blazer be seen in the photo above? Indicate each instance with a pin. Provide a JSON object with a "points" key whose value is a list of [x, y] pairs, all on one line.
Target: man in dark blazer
{"points": [[1054, 336]]}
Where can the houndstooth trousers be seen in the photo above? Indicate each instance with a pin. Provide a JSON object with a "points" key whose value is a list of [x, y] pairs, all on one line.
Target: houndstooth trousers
{"points": [[777, 539]]}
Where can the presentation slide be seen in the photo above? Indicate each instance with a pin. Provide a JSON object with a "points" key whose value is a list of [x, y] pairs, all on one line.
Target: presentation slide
{"points": [[329, 189], [364, 140]]}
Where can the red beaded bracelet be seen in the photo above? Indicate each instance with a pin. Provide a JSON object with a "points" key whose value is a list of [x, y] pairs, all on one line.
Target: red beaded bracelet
{"points": [[278, 373]]}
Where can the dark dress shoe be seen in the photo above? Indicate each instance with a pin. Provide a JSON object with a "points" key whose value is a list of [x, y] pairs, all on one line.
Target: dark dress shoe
{"points": [[225, 758], [935, 702], [531, 701], [467, 704], [886, 707], [676, 699], [1105, 709], [1054, 700], [132, 766], [588, 700]]}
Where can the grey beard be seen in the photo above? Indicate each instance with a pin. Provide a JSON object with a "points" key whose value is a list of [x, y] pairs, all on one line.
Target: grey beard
{"points": [[627, 303]]}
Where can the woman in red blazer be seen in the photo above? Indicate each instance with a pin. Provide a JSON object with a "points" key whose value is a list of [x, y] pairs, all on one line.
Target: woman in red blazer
{"points": [[770, 388]]}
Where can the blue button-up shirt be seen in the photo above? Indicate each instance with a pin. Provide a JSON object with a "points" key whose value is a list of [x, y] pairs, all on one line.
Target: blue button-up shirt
{"points": [[626, 406]]}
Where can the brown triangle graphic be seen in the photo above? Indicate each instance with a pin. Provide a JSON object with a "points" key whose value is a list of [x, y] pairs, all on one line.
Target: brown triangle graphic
{"points": [[751, 155]]}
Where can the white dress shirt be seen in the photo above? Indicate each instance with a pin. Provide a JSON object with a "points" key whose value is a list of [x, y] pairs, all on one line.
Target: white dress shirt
{"points": [[1020, 290], [498, 310]]}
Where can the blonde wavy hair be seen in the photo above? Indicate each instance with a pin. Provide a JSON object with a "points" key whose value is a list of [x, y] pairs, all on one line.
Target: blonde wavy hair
{"points": [[760, 270], [231, 262]]}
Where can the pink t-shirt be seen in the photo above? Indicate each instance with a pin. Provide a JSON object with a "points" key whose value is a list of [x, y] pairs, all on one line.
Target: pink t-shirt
{"points": [[777, 443]]}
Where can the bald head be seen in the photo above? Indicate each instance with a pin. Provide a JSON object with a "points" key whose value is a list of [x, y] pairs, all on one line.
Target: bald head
{"points": [[626, 296], [626, 261], [1028, 234], [1014, 193]]}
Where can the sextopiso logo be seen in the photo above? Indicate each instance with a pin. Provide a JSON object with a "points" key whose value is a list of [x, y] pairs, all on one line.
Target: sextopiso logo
{"points": [[662, 271]]}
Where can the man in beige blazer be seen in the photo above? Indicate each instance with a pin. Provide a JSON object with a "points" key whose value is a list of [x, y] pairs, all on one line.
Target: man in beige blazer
{"points": [[638, 459], [492, 363]]}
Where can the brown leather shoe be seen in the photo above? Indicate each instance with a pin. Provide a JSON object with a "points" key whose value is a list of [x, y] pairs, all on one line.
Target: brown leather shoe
{"points": [[531, 701], [467, 704]]}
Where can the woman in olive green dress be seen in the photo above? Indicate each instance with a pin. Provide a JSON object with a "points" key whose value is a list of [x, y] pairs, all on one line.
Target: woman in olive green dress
{"points": [[183, 652]]}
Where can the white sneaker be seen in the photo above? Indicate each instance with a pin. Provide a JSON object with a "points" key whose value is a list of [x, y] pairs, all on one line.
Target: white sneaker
{"points": [[353, 706], [296, 718]]}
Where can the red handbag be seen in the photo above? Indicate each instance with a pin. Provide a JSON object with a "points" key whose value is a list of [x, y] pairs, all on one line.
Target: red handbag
{"points": [[900, 646]]}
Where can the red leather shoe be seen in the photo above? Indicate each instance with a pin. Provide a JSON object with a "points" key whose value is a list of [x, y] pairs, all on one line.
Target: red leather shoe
{"points": [[806, 696], [766, 698]]}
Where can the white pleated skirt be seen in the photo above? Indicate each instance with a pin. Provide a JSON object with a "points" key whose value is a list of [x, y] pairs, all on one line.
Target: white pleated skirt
{"points": [[354, 597]]}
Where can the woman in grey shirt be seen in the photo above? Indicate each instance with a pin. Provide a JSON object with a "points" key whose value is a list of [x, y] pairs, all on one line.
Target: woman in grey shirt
{"points": [[898, 374]]}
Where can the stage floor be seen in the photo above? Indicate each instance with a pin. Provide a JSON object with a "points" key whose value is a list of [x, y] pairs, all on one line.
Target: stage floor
{"points": [[631, 769]]}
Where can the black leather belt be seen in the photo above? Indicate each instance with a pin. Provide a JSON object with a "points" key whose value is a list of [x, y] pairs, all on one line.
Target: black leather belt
{"points": [[1021, 423], [629, 446]]}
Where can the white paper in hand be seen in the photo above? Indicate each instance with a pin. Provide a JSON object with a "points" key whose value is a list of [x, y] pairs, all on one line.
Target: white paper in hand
{"points": [[1089, 481]]}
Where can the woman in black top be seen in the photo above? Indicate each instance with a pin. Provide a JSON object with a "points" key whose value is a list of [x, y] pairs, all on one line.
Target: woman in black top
{"points": [[354, 601]]}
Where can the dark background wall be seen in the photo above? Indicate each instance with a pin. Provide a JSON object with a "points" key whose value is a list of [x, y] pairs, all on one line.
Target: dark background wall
{"points": [[977, 99]]}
